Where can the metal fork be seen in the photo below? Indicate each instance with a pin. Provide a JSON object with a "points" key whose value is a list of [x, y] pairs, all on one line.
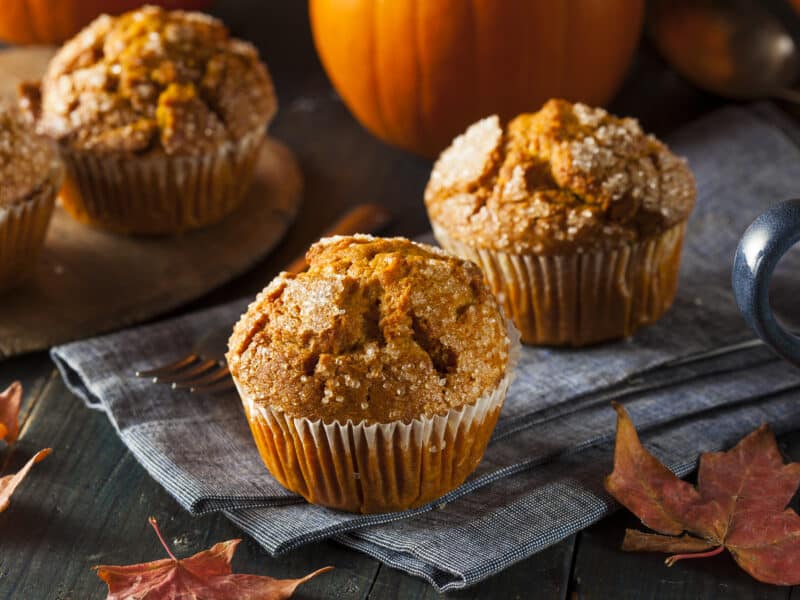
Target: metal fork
{"points": [[204, 369]]}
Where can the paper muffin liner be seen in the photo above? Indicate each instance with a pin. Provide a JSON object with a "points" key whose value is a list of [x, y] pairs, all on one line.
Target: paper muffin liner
{"points": [[159, 194], [382, 467], [23, 226], [581, 298]]}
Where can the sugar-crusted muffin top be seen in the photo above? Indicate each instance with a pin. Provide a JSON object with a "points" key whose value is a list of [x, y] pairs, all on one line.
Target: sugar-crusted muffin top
{"points": [[150, 80], [28, 162], [567, 177], [375, 330]]}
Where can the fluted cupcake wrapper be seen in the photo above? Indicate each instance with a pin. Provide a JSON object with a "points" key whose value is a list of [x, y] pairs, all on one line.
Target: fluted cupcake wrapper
{"points": [[158, 194], [382, 467], [23, 227], [581, 298]]}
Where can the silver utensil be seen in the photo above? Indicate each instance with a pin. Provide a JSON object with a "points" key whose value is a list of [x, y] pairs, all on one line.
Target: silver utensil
{"points": [[204, 368], [744, 49]]}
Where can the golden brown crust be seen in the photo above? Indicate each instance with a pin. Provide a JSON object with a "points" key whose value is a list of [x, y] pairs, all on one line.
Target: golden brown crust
{"points": [[566, 178], [28, 163], [153, 80], [376, 330]]}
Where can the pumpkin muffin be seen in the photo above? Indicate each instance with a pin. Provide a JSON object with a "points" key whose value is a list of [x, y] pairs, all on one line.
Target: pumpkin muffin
{"points": [[159, 116], [31, 175], [575, 216], [373, 381]]}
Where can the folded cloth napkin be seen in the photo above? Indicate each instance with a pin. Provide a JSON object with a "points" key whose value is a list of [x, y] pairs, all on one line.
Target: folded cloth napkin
{"points": [[541, 477]]}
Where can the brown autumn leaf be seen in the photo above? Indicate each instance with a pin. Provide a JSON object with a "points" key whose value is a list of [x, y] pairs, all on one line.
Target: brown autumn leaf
{"points": [[10, 401], [739, 503], [9, 483], [206, 575]]}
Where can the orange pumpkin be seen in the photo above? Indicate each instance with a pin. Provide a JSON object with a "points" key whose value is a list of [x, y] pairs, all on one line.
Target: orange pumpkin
{"points": [[53, 21], [417, 72]]}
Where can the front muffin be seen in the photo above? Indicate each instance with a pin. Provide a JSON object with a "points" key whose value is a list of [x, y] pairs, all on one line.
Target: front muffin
{"points": [[31, 175], [159, 116], [372, 382], [576, 217]]}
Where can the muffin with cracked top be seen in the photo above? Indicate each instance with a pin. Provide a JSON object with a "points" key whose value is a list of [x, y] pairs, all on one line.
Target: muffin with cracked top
{"points": [[373, 380], [31, 174], [576, 217], [159, 116]]}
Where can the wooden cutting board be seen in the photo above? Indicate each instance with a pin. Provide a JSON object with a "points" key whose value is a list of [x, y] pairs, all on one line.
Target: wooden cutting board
{"points": [[89, 281]]}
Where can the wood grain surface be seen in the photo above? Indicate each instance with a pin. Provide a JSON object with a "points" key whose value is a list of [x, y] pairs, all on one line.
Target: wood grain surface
{"points": [[88, 502], [89, 281]]}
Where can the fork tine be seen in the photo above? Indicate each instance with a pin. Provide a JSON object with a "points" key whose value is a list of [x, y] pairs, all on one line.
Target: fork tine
{"points": [[192, 373], [172, 367], [203, 381], [224, 385]]}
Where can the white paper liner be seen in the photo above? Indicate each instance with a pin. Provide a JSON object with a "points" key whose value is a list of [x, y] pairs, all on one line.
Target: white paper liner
{"points": [[382, 467], [581, 298], [23, 227], [159, 194]]}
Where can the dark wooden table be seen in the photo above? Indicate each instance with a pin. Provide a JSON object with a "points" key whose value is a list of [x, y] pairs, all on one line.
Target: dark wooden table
{"points": [[88, 503]]}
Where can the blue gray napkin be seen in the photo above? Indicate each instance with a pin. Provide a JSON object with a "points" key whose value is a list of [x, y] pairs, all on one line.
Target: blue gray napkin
{"points": [[541, 477]]}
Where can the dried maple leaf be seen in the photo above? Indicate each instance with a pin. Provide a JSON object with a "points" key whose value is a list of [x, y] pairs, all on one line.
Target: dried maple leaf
{"points": [[9, 483], [10, 401], [739, 503], [206, 575]]}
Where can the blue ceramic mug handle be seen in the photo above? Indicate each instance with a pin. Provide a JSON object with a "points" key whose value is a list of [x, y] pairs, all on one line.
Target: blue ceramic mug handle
{"points": [[767, 239]]}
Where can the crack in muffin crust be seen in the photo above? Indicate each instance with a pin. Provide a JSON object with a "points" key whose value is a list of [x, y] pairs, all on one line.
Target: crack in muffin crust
{"points": [[567, 178], [376, 330], [152, 80]]}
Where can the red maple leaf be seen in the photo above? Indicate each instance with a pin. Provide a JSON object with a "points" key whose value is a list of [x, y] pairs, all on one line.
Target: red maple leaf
{"points": [[204, 576], [10, 401], [739, 504]]}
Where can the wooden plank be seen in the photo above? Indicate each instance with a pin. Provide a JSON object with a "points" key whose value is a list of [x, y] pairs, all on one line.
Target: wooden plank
{"points": [[602, 570], [351, 579], [544, 575], [88, 503], [33, 371]]}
